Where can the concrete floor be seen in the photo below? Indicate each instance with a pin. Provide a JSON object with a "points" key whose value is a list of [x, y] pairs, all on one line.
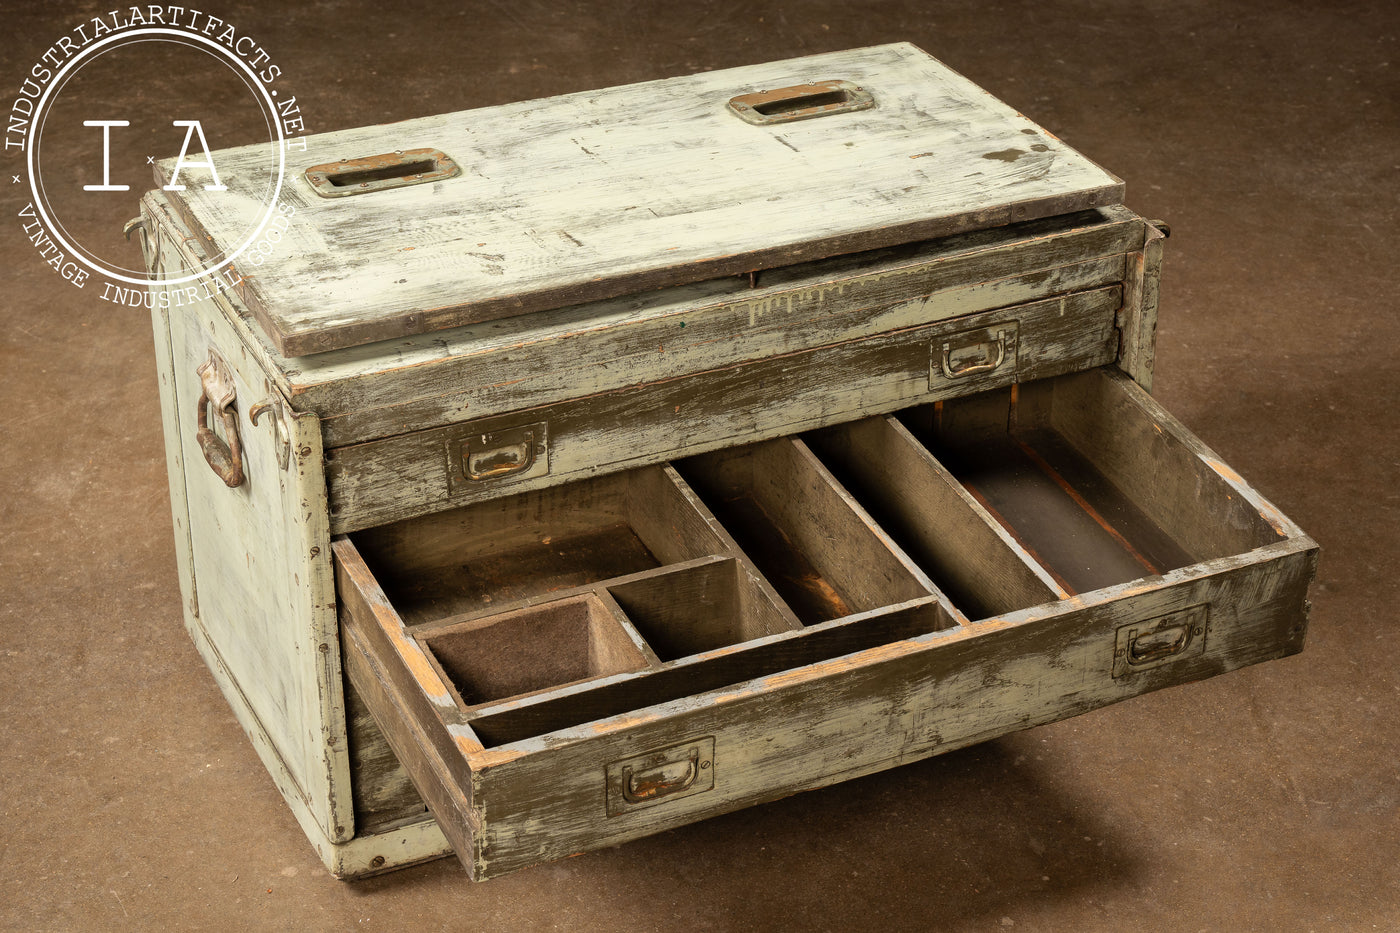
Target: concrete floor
{"points": [[1266, 133]]}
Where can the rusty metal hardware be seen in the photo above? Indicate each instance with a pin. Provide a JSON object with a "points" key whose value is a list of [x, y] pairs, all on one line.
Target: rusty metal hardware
{"points": [[801, 102], [994, 356], [503, 459], [396, 169], [661, 782], [225, 458], [1162, 228], [282, 435], [503, 454], [1142, 646], [150, 254], [659, 776]]}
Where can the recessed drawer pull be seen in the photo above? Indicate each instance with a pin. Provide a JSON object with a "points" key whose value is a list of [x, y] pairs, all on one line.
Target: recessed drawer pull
{"points": [[801, 102], [1167, 639], [494, 455], [397, 169], [995, 355], [501, 461], [659, 777], [672, 778], [1147, 647]]}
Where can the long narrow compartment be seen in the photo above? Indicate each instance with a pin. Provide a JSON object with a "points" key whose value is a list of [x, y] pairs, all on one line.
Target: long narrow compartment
{"points": [[932, 518], [695, 675], [1086, 482], [804, 534]]}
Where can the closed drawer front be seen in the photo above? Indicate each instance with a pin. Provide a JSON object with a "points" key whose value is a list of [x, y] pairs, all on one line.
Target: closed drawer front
{"points": [[577, 666], [412, 474]]}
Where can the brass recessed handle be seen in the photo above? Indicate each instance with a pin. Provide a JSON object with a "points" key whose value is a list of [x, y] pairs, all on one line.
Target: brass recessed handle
{"points": [[397, 169], [670, 778], [995, 356], [801, 102]]}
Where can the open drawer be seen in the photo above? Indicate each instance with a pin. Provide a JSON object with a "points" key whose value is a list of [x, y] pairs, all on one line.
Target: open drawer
{"points": [[573, 667]]}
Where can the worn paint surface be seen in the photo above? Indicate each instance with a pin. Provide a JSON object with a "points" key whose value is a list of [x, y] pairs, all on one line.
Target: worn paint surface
{"points": [[398, 477], [711, 364], [256, 557], [664, 185], [818, 721]]}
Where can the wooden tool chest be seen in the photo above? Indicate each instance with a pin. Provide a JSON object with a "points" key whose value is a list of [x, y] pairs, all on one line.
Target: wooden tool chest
{"points": [[576, 469]]}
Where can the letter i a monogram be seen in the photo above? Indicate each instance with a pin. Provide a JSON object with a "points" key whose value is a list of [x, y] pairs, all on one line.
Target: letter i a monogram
{"points": [[107, 155], [191, 128]]}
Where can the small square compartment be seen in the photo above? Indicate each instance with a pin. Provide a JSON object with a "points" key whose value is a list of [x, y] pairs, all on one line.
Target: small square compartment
{"points": [[533, 649], [695, 609], [494, 553]]}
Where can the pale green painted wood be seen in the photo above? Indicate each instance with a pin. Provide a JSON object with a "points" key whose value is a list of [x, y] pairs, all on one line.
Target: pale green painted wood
{"points": [[536, 797], [398, 477], [1138, 318], [259, 562], [620, 190], [473, 372]]}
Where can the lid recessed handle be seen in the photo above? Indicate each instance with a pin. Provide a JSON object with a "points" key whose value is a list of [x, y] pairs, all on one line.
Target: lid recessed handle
{"points": [[801, 102], [396, 169]]}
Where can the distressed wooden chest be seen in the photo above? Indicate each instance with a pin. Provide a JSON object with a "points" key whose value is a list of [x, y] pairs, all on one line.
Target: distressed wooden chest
{"points": [[562, 472]]}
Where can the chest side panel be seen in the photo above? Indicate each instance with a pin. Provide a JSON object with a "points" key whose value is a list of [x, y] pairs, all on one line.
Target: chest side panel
{"points": [[264, 604]]}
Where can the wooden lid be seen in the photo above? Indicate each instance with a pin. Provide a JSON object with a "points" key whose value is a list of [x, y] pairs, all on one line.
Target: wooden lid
{"points": [[427, 224]]}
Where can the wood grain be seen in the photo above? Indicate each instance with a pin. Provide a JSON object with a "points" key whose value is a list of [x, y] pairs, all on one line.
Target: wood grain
{"points": [[918, 502], [887, 705], [616, 191], [393, 478]]}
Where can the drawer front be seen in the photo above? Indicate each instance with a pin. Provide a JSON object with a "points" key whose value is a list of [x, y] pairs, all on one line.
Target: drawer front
{"points": [[412, 474], [575, 667], [891, 705]]}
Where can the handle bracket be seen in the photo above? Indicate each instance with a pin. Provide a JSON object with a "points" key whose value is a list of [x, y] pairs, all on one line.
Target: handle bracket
{"points": [[1141, 646], [225, 457], [973, 352], [660, 776]]}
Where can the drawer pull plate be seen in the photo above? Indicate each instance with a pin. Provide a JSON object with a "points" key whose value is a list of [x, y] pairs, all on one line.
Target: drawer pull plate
{"points": [[800, 102], [506, 454], [656, 777], [225, 457], [662, 782], [1142, 646], [397, 169]]}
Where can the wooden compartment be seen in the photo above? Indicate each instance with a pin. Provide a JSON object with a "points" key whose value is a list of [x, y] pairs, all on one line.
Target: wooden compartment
{"points": [[691, 610], [814, 544], [494, 553], [932, 517], [534, 648], [725, 667], [1097, 493]]}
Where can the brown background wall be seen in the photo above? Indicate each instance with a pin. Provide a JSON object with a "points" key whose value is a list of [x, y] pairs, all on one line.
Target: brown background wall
{"points": [[1266, 133]]}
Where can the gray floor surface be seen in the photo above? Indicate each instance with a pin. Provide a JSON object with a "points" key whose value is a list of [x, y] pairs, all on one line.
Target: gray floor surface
{"points": [[1266, 133]]}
